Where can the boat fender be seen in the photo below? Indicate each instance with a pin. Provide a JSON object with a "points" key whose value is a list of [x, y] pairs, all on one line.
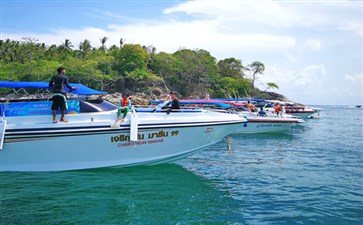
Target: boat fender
{"points": [[245, 124]]}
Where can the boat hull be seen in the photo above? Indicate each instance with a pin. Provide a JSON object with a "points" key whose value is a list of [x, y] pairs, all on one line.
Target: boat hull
{"points": [[75, 146], [266, 125], [302, 115], [252, 128]]}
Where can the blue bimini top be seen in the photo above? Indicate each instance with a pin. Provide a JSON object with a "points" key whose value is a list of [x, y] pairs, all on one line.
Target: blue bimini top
{"points": [[82, 90]]}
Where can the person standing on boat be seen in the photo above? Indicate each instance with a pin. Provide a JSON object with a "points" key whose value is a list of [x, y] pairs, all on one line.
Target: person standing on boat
{"points": [[125, 106], [59, 82]]}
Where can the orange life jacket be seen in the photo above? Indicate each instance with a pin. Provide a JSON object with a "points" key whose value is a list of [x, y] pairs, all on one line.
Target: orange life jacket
{"points": [[124, 102], [277, 108]]}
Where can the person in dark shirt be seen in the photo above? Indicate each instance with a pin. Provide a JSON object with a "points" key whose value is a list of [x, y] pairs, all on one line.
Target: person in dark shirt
{"points": [[261, 112], [175, 102], [59, 82]]}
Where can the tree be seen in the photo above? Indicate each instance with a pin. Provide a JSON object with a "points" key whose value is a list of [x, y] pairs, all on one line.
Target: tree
{"points": [[271, 85], [190, 72], [66, 46], [122, 42], [197, 70], [103, 43], [85, 47], [255, 68], [232, 87], [165, 65], [130, 63], [52, 53], [138, 76], [130, 57], [230, 67]]}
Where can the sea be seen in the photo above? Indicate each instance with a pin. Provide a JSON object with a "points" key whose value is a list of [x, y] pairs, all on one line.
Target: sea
{"points": [[311, 174]]}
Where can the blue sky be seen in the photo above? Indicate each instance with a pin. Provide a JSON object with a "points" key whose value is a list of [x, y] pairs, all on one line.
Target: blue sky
{"points": [[311, 49]]}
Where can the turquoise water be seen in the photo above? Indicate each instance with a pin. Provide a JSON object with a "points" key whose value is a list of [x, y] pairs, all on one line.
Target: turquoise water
{"points": [[312, 174]]}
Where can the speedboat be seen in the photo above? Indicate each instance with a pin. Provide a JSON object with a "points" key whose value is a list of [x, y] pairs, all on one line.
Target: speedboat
{"points": [[94, 138], [294, 109], [256, 123], [290, 109], [266, 123]]}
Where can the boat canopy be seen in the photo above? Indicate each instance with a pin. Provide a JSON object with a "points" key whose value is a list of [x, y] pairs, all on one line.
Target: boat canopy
{"points": [[217, 103], [258, 100], [82, 90]]}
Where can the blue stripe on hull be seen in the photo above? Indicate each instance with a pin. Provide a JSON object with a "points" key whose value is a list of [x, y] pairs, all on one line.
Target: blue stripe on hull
{"points": [[14, 135]]}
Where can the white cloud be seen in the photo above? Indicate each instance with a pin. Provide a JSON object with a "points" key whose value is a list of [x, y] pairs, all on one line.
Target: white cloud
{"points": [[267, 12], [354, 26], [272, 13], [354, 77], [171, 35], [276, 33], [312, 44], [296, 84], [312, 84]]}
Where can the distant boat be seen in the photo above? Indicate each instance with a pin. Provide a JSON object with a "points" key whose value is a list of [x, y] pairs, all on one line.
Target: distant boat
{"points": [[255, 123], [358, 106], [294, 109], [290, 108], [30, 141]]}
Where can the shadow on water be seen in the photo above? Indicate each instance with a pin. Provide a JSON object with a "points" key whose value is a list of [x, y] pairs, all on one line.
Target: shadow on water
{"points": [[135, 195]]}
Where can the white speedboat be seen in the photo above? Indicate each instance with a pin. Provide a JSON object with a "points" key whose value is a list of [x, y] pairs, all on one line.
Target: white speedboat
{"points": [[255, 123], [294, 109], [30, 141], [266, 124]]}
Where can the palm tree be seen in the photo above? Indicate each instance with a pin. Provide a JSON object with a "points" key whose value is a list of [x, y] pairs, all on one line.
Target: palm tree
{"points": [[122, 41], [85, 47], [255, 68], [271, 85], [66, 46], [103, 41], [52, 52]]}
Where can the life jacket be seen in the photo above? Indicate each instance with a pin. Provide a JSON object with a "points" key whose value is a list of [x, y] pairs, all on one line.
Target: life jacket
{"points": [[250, 107], [277, 109], [124, 102]]}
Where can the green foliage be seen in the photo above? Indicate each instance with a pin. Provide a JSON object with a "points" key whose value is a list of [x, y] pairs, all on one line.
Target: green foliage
{"points": [[40, 70], [255, 68], [228, 87], [196, 71], [130, 58], [164, 63], [230, 67], [12, 71], [272, 85], [166, 67], [129, 67]]}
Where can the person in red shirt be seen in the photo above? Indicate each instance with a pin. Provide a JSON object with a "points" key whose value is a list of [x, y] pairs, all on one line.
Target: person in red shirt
{"points": [[124, 106], [278, 108]]}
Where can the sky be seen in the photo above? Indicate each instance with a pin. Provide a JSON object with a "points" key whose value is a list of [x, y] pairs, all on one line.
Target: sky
{"points": [[313, 50]]}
